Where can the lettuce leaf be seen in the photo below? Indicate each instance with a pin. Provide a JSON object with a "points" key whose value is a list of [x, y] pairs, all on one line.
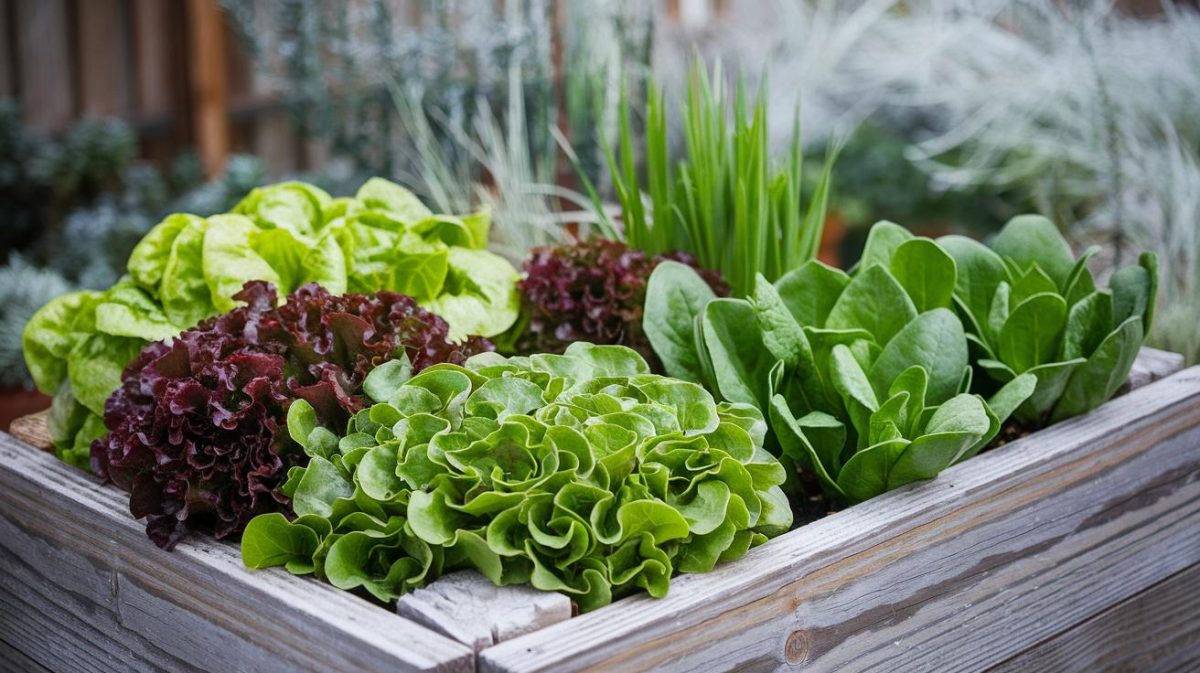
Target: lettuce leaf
{"points": [[580, 473]]}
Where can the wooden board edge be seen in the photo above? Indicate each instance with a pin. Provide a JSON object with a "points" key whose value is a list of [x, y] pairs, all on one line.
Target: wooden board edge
{"points": [[34, 430], [1156, 629], [69, 509], [839, 536]]}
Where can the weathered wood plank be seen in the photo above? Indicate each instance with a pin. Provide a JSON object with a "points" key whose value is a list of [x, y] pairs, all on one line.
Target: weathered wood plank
{"points": [[1151, 365], [467, 607], [959, 573], [13, 660], [1156, 630], [85, 590], [33, 430]]}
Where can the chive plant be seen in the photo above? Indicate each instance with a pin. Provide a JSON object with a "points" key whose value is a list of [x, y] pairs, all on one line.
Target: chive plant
{"points": [[726, 201]]}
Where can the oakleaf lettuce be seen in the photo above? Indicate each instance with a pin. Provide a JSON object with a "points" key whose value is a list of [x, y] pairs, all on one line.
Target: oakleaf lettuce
{"points": [[580, 473]]}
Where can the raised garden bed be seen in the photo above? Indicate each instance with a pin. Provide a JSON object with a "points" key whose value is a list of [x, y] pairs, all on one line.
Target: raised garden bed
{"points": [[1074, 548]]}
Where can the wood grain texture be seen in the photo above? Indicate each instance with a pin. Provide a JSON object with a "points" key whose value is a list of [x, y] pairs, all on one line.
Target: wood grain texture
{"points": [[1151, 365], [1156, 631], [960, 573], [466, 606], [33, 430], [84, 590], [13, 660]]}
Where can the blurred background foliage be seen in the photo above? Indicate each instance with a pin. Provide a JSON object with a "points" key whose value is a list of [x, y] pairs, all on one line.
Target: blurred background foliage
{"points": [[951, 115]]}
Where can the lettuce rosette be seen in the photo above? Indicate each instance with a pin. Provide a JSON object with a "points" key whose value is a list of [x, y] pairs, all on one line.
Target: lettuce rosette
{"points": [[189, 268], [581, 473]]}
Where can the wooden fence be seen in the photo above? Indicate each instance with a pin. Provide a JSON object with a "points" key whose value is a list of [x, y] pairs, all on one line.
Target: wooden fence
{"points": [[173, 69]]}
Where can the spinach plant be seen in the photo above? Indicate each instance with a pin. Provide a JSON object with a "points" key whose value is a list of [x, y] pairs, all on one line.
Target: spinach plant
{"points": [[864, 377], [1031, 308]]}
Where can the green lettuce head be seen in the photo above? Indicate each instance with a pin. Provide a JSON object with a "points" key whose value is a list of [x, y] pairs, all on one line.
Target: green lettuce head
{"points": [[581, 473], [188, 268]]}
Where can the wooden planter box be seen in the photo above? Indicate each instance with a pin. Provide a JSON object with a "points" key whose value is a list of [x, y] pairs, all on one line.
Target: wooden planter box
{"points": [[1075, 548]]}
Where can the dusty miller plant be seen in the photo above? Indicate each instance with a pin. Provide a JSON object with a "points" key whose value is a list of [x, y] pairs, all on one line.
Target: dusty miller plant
{"points": [[1091, 114]]}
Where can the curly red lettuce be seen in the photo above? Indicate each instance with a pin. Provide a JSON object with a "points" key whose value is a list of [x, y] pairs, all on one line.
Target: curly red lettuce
{"points": [[592, 290], [197, 430]]}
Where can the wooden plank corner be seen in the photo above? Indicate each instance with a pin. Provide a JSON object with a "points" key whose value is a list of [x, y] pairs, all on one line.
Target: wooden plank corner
{"points": [[468, 608]]}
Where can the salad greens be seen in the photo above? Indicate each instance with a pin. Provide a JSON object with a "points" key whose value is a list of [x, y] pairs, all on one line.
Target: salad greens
{"points": [[581, 473], [865, 377], [188, 268], [1032, 308]]}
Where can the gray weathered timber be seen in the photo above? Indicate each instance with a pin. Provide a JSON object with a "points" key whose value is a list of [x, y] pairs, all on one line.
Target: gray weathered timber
{"points": [[1151, 365], [82, 589], [466, 606], [960, 573], [1156, 631]]}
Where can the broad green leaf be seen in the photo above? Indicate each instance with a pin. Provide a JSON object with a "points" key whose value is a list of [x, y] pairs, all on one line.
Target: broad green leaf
{"points": [[1130, 288], [488, 304], [380, 194], [865, 474], [739, 358], [927, 273], [1088, 322], [126, 310], [934, 341], [228, 259], [149, 257], [385, 380], [294, 206], [95, 365], [1098, 379], [781, 334], [811, 291], [49, 338], [271, 540], [979, 272], [321, 485], [882, 241], [675, 296], [1033, 282], [185, 296], [1033, 332], [873, 301], [1033, 239]]}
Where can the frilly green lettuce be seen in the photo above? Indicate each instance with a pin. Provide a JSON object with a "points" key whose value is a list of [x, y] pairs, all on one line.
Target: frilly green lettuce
{"points": [[581, 473]]}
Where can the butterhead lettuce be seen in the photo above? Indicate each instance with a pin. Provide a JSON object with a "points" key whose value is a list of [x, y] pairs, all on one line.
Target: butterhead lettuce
{"points": [[189, 268]]}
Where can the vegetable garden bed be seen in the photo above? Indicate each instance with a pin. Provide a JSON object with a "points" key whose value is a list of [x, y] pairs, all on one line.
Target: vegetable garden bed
{"points": [[1074, 548]]}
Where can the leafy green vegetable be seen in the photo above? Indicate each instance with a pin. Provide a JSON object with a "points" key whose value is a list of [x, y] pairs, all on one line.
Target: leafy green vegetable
{"points": [[864, 378], [579, 473], [1032, 308], [189, 268], [726, 190]]}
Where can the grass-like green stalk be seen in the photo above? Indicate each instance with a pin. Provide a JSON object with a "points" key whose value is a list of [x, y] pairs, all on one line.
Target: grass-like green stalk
{"points": [[725, 201]]}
